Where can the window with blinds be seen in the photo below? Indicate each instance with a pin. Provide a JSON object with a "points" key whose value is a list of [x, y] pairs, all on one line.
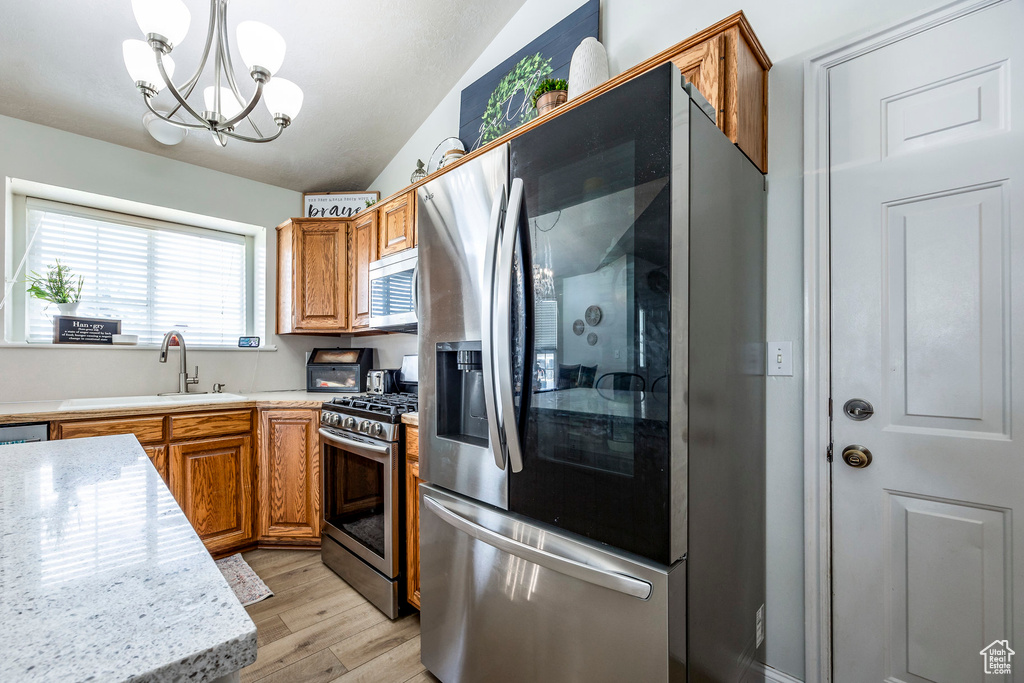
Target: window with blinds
{"points": [[152, 277]]}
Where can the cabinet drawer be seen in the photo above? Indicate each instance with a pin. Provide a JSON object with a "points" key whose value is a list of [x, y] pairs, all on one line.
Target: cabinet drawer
{"points": [[147, 430], [412, 443], [210, 424]]}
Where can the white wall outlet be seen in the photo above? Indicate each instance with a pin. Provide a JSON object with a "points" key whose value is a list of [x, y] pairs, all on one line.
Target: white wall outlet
{"points": [[759, 625], [780, 358]]}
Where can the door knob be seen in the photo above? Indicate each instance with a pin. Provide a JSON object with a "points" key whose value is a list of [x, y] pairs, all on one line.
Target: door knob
{"points": [[856, 456], [858, 409]]}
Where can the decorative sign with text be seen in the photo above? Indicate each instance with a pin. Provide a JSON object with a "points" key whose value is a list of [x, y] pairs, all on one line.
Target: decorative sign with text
{"points": [[335, 204], [72, 330]]}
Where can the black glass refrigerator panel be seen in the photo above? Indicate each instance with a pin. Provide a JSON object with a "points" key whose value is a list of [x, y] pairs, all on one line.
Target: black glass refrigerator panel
{"points": [[595, 412]]}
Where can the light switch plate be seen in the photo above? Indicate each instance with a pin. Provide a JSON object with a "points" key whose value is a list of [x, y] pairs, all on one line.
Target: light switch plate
{"points": [[780, 358]]}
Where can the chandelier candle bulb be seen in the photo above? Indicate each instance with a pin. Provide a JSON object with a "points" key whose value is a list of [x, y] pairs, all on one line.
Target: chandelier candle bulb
{"points": [[229, 106], [168, 20], [260, 46]]}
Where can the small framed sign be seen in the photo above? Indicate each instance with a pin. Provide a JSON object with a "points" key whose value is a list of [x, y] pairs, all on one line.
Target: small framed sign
{"points": [[335, 204], [73, 330]]}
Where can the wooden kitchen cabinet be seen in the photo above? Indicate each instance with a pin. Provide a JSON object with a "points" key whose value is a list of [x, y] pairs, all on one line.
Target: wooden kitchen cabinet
{"points": [[396, 224], [212, 481], [730, 68], [312, 276], [412, 514], [288, 476], [158, 455], [363, 252]]}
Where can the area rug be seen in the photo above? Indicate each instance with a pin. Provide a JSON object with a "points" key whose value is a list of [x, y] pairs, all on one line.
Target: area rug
{"points": [[248, 587]]}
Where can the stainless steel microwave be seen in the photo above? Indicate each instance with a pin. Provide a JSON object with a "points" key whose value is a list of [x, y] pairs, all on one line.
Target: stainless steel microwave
{"points": [[393, 282]]}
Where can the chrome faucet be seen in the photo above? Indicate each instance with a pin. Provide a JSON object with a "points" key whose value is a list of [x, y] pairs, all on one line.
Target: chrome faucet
{"points": [[183, 379]]}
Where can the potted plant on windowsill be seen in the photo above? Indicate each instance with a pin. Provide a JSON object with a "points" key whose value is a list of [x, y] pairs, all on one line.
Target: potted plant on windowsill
{"points": [[549, 94], [58, 286]]}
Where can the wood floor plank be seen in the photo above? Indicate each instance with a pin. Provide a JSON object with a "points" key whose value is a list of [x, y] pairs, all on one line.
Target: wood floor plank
{"points": [[316, 668], [270, 630], [375, 641], [269, 563], [297, 577], [332, 603], [397, 664], [299, 645], [295, 597], [424, 677]]}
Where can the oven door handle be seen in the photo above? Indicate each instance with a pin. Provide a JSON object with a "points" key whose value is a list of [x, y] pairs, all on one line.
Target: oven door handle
{"points": [[622, 583], [366, 450], [487, 336]]}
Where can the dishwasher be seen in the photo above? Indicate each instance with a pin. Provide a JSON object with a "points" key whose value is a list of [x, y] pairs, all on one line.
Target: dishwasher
{"points": [[24, 433]]}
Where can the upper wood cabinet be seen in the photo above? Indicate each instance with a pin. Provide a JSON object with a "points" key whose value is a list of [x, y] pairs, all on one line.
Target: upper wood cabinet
{"points": [[363, 251], [730, 68], [212, 481], [397, 224], [312, 276], [288, 466]]}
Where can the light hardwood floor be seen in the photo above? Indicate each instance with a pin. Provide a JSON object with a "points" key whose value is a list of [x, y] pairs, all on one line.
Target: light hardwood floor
{"points": [[316, 629]]}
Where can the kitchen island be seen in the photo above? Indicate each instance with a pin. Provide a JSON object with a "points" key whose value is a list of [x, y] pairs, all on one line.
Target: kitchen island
{"points": [[102, 576]]}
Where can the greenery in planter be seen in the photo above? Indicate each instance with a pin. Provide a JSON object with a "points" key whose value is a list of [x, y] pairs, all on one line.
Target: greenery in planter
{"points": [[57, 286], [549, 85], [370, 202], [508, 101]]}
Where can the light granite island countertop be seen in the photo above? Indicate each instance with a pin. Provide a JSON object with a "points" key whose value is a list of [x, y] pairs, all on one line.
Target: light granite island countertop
{"points": [[102, 578]]}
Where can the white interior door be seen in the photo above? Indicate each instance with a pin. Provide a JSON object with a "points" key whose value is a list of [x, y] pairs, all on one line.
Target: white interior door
{"points": [[927, 240]]}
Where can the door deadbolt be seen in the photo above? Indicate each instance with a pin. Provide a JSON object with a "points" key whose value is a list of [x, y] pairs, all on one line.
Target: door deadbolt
{"points": [[857, 456], [858, 409]]}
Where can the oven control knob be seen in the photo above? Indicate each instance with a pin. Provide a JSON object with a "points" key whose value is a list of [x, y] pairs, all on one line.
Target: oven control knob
{"points": [[328, 418], [378, 430], [332, 418], [364, 427], [349, 423]]}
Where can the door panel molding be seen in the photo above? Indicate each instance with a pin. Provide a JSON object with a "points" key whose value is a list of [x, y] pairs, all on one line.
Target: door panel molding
{"points": [[817, 312]]}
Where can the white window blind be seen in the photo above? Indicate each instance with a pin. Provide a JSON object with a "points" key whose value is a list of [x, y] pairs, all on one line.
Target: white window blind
{"points": [[545, 324], [153, 279]]}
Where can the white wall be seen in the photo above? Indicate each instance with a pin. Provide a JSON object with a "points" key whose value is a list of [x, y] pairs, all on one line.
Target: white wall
{"points": [[46, 155], [788, 29]]}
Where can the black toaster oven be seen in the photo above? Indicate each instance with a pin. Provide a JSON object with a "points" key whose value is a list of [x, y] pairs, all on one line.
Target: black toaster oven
{"points": [[338, 371]]}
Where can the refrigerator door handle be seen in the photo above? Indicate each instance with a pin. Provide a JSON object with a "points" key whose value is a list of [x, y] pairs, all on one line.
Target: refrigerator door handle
{"points": [[487, 322], [502, 326], [615, 581], [416, 290]]}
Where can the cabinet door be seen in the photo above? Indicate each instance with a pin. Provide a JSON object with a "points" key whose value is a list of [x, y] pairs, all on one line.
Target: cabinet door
{"points": [[212, 482], [321, 276], [412, 516], [397, 224], [364, 252], [158, 454], [289, 475]]}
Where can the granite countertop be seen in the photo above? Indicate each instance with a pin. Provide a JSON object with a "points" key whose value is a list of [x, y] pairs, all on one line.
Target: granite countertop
{"points": [[73, 409], [103, 577]]}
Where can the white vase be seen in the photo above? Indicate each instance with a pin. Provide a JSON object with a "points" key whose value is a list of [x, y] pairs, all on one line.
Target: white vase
{"points": [[68, 309], [589, 67]]}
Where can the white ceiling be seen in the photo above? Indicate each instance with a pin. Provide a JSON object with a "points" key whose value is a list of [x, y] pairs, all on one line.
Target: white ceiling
{"points": [[371, 73]]}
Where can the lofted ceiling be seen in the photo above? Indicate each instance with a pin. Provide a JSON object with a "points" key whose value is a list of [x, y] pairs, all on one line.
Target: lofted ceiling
{"points": [[371, 73]]}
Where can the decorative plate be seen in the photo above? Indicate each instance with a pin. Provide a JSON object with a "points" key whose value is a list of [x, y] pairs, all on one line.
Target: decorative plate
{"points": [[592, 338], [593, 316], [446, 145], [578, 327]]}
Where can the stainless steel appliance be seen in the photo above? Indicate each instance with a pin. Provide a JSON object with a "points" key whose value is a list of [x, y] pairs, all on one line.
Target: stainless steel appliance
{"points": [[393, 292], [24, 433], [362, 501], [380, 381], [339, 371], [603, 525]]}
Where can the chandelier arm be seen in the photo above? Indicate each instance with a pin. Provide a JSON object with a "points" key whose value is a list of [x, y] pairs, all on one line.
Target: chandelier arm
{"points": [[179, 124], [246, 138], [174, 91], [190, 84], [248, 108], [230, 68]]}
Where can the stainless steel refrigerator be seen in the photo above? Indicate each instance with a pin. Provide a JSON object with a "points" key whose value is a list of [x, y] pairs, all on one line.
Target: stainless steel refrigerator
{"points": [[591, 308]]}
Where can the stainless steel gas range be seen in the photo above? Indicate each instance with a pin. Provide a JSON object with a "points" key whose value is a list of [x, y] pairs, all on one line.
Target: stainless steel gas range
{"points": [[361, 449]]}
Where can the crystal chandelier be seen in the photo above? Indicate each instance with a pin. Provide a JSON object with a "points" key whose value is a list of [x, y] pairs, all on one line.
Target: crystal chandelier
{"points": [[149, 63]]}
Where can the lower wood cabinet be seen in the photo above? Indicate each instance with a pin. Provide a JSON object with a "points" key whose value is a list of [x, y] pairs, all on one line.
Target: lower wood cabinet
{"points": [[158, 454], [288, 476], [412, 514], [212, 481]]}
